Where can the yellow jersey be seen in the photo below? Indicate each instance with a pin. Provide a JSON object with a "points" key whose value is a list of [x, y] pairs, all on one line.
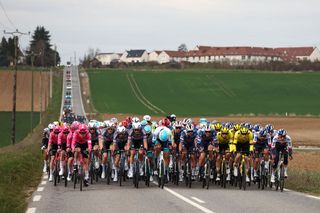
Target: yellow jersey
{"points": [[222, 140], [240, 138]]}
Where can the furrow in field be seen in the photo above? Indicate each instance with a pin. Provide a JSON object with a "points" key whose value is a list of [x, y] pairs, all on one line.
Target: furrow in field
{"points": [[220, 86], [137, 96], [143, 97]]}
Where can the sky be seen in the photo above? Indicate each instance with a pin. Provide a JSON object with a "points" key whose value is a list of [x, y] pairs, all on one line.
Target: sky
{"points": [[119, 25]]}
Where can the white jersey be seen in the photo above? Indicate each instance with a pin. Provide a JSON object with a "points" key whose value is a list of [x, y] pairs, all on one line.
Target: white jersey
{"points": [[157, 132]]}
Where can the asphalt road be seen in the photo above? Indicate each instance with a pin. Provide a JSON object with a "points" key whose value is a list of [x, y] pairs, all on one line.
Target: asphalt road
{"points": [[100, 197]]}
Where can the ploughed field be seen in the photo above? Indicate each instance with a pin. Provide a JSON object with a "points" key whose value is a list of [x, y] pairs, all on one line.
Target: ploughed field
{"points": [[22, 126], [205, 93]]}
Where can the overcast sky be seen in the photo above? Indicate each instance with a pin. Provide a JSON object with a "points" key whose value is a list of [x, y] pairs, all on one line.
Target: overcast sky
{"points": [[117, 25]]}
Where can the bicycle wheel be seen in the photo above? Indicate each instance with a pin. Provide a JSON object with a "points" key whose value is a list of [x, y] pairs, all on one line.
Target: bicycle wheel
{"points": [[262, 176], [108, 171], [81, 177], [147, 171], [65, 174], [224, 174], [239, 177], [185, 174], [281, 182], [137, 174], [176, 172], [163, 174], [244, 183], [121, 171], [207, 174], [55, 172], [189, 174], [75, 177]]}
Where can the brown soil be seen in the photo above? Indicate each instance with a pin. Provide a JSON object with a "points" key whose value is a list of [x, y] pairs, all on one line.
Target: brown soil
{"points": [[23, 90], [309, 161]]}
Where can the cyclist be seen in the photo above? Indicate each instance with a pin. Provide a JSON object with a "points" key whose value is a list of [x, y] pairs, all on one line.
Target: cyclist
{"points": [[243, 140], [44, 146], [261, 141], [162, 138], [119, 144], [148, 119], [81, 142], [137, 139], [172, 118], [53, 147], [217, 126], [281, 143], [62, 147], [206, 138], [74, 127], [95, 142], [256, 128], [224, 139], [150, 151], [271, 131], [177, 130], [188, 141], [106, 143]]}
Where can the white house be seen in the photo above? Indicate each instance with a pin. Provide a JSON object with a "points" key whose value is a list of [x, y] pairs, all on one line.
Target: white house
{"points": [[135, 56], [107, 58], [170, 55], [154, 56], [293, 54]]}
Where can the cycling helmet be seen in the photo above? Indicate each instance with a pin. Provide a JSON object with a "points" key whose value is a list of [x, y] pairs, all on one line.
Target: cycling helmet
{"points": [[229, 125], [173, 117], [121, 129], [129, 120], [124, 123], [56, 123], [189, 127], [75, 125], [45, 130], [83, 129], [244, 130], [217, 126], [65, 129], [269, 127], [248, 125], [189, 121], [202, 125], [184, 122], [165, 122], [114, 120], [207, 128], [108, 124], [163, 135], [236, 127], [51, 126], [282, 132], [136, 125], [147, 118], [224, 130], [257, 127], [56, 130], [203, 120], [135, 120], [147, 129], [178, 124], [263, 132], [144, 122], [91, 125]]}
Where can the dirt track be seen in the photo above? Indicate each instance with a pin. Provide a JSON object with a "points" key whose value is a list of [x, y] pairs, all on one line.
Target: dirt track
{"points": [[23, 90]]}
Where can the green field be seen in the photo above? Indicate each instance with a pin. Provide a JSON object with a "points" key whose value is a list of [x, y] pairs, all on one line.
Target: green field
{"points": [[22, 126], [203, 92]]}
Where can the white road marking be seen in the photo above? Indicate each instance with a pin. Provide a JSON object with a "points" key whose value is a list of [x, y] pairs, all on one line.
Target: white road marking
{"points": [[311, 196], [31, 210], [43, 182], [36, 198], [198, 200], [40, 189], [187, 200]]}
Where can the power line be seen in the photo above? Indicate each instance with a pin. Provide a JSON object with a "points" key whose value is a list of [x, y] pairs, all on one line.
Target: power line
{"points": [[4, 10]]}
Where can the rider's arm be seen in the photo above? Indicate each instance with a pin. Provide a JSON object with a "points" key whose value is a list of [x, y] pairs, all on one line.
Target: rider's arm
{"points": [[289, 144]]}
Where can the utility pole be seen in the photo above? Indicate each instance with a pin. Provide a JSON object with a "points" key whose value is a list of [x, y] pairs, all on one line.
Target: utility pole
{"points": [[15, 35]]}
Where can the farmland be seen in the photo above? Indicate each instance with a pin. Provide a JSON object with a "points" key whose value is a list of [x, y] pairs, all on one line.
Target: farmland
{"points": [[205, 93], [22, 126]]}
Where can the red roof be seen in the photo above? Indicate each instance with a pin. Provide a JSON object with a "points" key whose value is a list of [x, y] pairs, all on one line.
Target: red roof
{"points": [[172, 53]]}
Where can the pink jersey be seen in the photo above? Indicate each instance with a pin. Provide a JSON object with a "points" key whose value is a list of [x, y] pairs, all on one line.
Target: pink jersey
{"points": [[53, 138], [62, 138], [78, 138], [69, 139]]}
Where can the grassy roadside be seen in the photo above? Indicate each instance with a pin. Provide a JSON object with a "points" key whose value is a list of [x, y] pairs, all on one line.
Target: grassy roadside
{"points": [[304, 172], [20, 165]]}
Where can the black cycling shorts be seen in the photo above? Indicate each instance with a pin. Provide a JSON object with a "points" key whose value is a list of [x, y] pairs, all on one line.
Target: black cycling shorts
{"points": [[83, 148], [243, 147]]}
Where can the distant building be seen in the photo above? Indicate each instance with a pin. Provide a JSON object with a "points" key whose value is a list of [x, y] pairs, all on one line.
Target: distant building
{"points": [[107, 58], [134, 56], [154, 56], [294, 54]]}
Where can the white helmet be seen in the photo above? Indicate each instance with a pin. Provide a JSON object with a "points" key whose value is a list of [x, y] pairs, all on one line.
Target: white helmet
{"points": [[136, 125], [91, 125], [114, 120], [121, 129], [135, 120], [207, 128], [51, 126], [177, 124], [108, 123], [189, 127], [147, 118]]}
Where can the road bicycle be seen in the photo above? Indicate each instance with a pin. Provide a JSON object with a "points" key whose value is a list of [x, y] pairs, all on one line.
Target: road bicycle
{"points": [[78, 172], [279, 173], [206, 171]]}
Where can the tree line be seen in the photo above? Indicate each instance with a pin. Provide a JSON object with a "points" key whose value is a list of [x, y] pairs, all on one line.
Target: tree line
{"points": [[39, 53]]}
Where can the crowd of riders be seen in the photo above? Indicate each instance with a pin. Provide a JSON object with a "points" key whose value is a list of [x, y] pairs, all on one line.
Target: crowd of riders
{"points": [[99, 144]]}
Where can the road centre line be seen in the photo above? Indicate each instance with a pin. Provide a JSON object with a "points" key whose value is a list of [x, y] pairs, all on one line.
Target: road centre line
{"points": [[187, 200], [36, 198], [198, 200], [31, 210]]}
